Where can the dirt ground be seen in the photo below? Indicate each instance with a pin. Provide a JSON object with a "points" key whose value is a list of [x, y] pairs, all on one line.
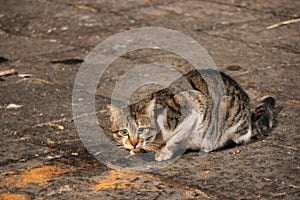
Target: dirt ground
{"points": [[42, 45]]}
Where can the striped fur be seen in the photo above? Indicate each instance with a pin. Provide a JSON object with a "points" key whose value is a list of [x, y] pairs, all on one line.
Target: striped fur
{"points": [[189, 117]]}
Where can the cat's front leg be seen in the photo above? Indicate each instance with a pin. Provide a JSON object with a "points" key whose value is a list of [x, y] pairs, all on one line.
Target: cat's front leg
{"points": [[163, 154], [174, 147]]}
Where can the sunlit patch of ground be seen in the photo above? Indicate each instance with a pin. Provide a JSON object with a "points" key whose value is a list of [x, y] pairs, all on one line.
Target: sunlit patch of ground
{"points": [[40, 175], [7, 196], [120, 180]]}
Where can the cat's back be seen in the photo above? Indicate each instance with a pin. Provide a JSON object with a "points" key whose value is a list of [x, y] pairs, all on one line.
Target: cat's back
{"points": [[207, 79]]}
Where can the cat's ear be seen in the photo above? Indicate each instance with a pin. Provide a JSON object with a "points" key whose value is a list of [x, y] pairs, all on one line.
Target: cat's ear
{"points": [[149, 109], [115, 112]]}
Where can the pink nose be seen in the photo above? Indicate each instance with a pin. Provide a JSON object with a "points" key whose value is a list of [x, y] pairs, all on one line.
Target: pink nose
{"points": [[134, 142]]}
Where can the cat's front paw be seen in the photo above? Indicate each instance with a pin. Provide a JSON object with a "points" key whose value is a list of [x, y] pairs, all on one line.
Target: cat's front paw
{"points": [[164, 154]]}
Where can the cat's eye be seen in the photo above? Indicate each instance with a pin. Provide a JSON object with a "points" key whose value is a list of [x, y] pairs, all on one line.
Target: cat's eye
{"points": [[124, 131], [141, 130]]}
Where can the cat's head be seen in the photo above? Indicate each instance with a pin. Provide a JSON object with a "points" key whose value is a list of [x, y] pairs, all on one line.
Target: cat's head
{"points": [[135, 131]]}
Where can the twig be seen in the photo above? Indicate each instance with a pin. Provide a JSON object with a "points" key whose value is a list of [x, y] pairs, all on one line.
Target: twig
{"points": [[283, 23], [42, 81], [83, 7], [8, 72]]}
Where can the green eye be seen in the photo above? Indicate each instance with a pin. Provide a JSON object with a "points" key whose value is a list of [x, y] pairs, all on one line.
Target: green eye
{"points": [[124, 131], [142, 130]]}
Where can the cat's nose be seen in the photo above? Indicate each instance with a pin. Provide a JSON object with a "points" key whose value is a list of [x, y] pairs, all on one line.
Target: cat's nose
{"points": [[134, 142]]}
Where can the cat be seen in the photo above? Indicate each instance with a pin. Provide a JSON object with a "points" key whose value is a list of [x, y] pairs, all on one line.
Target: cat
{"points": [[175, 118]]}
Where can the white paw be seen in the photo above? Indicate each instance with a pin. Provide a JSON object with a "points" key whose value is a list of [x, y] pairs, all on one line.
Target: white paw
{"points": [[132, 152], [164, 154]]}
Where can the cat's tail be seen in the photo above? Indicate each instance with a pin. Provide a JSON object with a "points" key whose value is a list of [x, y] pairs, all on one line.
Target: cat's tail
{"points": [[262, 117]]}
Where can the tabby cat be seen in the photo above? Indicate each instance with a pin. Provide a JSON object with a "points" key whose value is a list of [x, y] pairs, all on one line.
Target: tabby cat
{"points": [[175, 118]]}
